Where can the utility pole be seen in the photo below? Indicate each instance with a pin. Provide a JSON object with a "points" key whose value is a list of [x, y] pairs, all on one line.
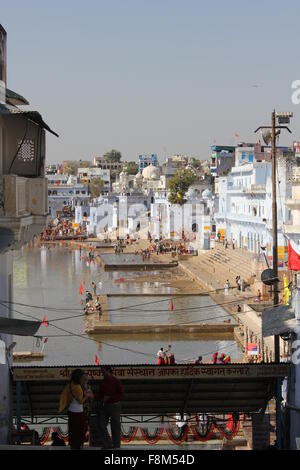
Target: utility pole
{"points": [[275, 276], [274, 231], [282, 118]]}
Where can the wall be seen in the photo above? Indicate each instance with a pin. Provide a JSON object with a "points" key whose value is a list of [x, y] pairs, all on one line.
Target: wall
{"points": [[5, 378]]}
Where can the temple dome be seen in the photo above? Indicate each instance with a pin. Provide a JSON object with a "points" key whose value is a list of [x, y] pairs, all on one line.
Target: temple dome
{"points": [[151, 172]]}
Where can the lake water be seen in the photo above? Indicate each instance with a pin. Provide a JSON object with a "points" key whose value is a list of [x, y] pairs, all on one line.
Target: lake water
{"points": [[49, 278]]}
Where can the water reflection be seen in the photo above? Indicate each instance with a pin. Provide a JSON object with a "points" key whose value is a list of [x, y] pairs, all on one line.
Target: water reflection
{"points": [[51, 276]]}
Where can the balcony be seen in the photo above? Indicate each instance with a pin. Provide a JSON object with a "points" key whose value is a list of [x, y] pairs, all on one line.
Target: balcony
{"points": [[293, 203], [292, 229], [255, 189], [23, 210]]}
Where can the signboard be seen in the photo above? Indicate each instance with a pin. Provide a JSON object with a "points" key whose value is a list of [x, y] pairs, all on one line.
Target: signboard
{"points": [[205, 371], [252, 349]]}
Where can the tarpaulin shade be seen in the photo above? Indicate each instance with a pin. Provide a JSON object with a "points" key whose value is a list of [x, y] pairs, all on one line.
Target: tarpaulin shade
{"points": [[19, 327]]}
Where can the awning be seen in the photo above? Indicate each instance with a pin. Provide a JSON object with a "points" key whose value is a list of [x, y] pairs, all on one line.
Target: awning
{"points": [[278, 320], [14, 98], [150, 389], [14, 326], [31, 115]]}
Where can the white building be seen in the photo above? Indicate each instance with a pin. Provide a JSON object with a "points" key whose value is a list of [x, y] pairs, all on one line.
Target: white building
{"points": [[125, 212], [67, 193], [193, 219], [244, 205], [85, 175], [292, 229]]}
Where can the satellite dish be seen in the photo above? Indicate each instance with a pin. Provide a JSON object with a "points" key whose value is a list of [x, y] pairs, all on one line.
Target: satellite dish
{"points": [[268, 278]]}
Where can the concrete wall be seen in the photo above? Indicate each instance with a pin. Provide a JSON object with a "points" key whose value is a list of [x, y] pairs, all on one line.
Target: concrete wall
{"points": [[5, 377], [23, 196]]}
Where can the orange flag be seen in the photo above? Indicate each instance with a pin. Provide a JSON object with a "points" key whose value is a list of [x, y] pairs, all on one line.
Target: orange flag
{"points": [[45, 323], [80, 289], [97, 360]]}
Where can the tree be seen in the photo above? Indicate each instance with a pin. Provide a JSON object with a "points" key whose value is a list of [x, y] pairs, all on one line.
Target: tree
{"points": [[113, 155], [71, 166], [196, 163], [131, 168], [179, 185], [95, 187]]}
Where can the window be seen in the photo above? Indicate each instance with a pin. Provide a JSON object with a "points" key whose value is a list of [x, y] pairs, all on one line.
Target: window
{"points": [[26, 151]]}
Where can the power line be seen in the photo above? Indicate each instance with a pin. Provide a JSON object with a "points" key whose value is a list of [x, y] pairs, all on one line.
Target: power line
{"points": [[85, 336]]}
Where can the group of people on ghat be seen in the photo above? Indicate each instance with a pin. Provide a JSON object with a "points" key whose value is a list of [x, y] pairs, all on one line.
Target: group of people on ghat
{"points": [[88, 308], [60, 228], [165, 358], [221, 359], [103, 404]]}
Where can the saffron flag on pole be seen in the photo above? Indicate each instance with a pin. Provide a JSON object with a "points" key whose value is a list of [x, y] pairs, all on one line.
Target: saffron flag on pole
{"points": [[97, 360], [45, 323], [294, 256]]}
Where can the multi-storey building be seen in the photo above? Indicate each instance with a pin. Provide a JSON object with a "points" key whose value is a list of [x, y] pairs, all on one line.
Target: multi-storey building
{"points": [[244, 204], [222, 159], [66, 194], [292, 229], [107, 164], [146, 160], [86, 175]]}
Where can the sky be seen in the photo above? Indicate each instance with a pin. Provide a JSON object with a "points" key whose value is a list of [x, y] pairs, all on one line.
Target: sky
{"points": [[153, 76]]}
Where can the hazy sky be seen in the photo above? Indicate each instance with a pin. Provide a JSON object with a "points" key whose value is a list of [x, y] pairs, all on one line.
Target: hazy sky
{"points": [[153, 76]]}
